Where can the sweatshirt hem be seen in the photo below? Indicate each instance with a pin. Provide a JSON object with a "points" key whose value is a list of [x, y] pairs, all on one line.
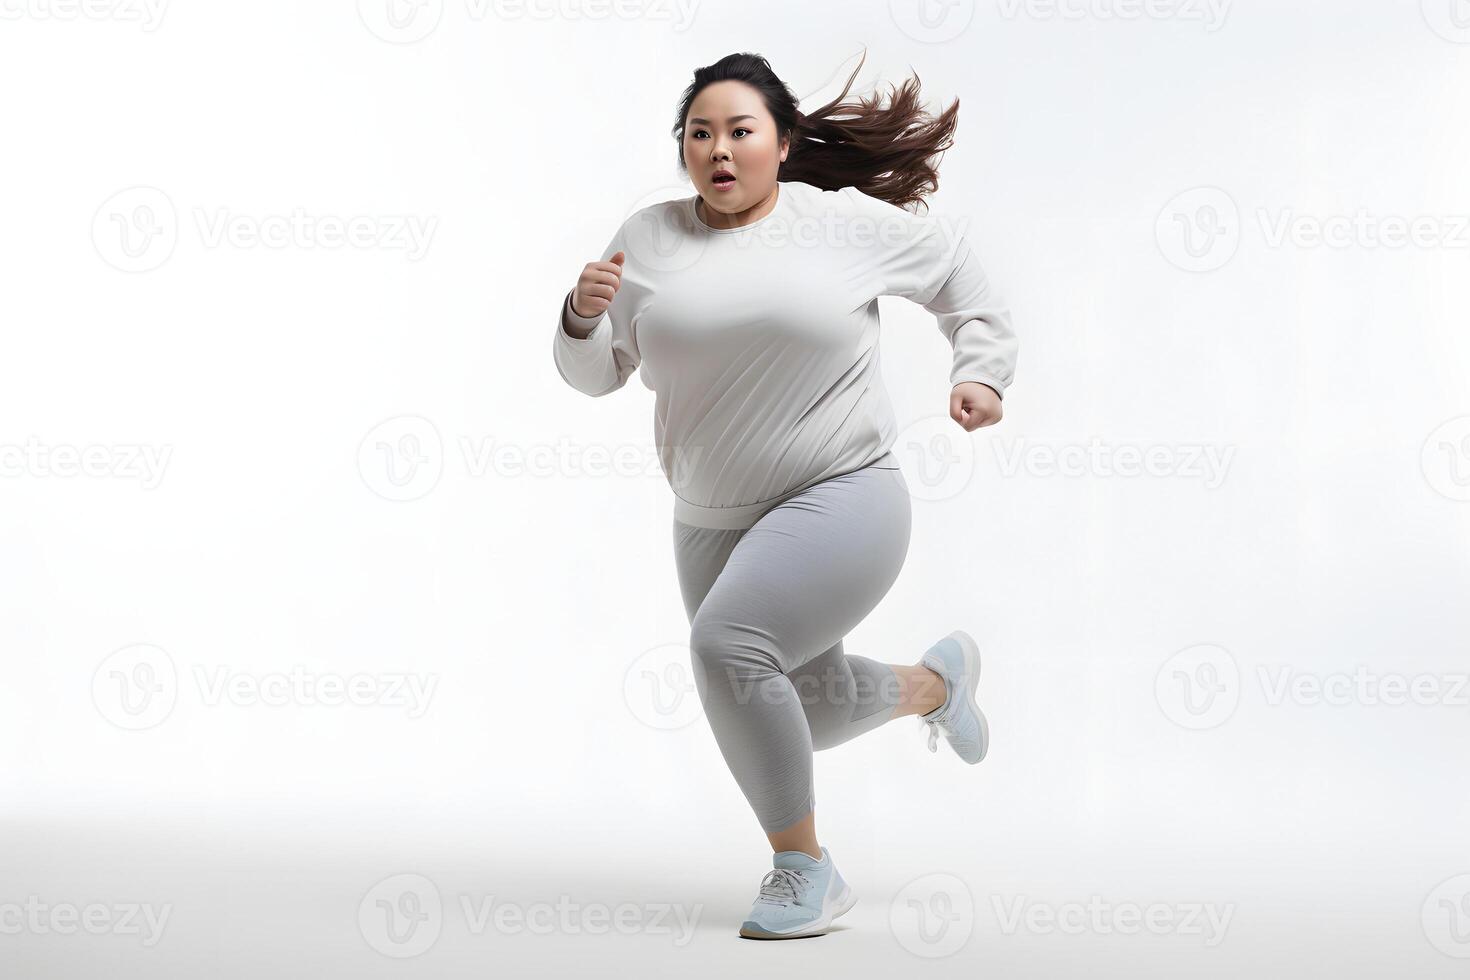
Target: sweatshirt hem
{"points": [[743, 516]]}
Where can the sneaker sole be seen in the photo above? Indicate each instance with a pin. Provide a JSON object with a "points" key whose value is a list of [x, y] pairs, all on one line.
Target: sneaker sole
{"points": [[841, 904], [972, 671]]}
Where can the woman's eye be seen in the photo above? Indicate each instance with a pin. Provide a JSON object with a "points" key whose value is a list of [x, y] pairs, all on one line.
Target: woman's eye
{"points": [[742, 129]]}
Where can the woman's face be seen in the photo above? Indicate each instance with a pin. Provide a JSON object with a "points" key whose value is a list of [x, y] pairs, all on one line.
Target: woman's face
{"points": [[729, 129]]}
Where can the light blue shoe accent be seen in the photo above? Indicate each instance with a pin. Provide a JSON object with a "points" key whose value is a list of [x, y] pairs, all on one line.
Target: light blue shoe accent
{"points": [[800, 897], [956, 658]]}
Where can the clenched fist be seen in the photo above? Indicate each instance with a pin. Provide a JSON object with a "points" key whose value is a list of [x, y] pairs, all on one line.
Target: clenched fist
{"points": [[973, 405], [597, 285]]}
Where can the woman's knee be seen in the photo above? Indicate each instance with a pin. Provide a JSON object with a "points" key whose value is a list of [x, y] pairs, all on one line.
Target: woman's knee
{"points": [[728, 651]]}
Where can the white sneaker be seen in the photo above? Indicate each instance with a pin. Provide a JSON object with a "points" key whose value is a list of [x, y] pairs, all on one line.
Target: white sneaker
{"points": [[800, 897], [956, 658]]}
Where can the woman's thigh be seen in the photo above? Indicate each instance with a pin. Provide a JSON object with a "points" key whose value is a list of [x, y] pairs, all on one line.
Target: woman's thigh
{"points": [[700, 554], [813, 566]]}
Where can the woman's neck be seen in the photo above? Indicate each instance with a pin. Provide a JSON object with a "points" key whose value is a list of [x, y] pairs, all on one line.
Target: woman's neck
{"points": [[740, 218]]}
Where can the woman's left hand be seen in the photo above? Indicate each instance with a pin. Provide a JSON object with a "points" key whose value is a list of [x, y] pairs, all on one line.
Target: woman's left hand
{"points": [[973, 405]]}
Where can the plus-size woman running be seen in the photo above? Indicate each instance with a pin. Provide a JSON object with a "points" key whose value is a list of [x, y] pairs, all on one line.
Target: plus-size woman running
{"points": [[752, 310]]}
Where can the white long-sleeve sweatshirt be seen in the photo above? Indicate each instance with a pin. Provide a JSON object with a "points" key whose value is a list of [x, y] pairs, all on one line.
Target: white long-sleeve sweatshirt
{"points": [[761, 342]]}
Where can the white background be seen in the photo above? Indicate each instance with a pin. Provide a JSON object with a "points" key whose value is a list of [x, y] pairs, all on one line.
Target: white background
{"points": [[327, 497]]}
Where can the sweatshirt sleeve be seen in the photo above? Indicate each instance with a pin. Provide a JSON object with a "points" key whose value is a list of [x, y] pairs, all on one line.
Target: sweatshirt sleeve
{"points": [[922, 260], [601, 361]]}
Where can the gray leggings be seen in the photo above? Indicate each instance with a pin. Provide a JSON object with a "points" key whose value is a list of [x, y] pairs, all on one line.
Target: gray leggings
{"points": [[768, 607]]}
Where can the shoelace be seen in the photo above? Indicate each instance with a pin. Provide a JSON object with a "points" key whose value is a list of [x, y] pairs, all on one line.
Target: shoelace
{"points": [[935, 727], [779, 886]]}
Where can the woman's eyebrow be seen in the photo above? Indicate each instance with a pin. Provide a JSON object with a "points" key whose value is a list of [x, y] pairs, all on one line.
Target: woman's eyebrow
{"points": [[705, 122]]}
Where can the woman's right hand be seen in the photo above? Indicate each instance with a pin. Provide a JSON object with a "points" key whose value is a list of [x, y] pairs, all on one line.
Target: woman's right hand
{"points": [[597, 285]]}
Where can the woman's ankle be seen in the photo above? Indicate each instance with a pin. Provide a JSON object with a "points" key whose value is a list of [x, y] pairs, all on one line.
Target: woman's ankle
{"points": [[921, 690], [799, 836]]}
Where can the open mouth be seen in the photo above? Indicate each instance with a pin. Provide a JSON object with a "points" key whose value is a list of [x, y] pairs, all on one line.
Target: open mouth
{"points": [[724, 178]]}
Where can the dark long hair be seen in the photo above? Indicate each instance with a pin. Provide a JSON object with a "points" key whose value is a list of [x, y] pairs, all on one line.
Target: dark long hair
{"points": [[883, 151]]}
